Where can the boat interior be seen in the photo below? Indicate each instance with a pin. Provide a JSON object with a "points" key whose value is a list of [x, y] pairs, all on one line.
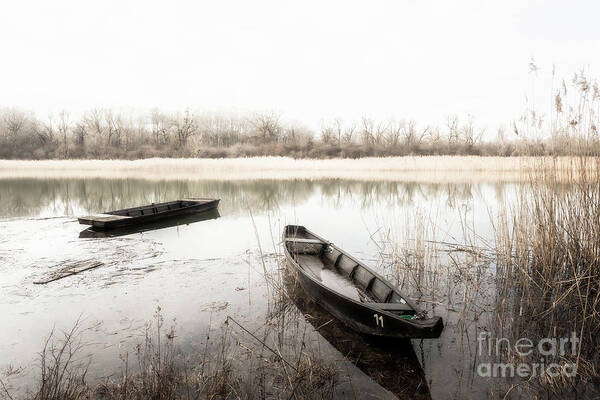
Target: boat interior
{"points": [[341, 273], [154, 208]]}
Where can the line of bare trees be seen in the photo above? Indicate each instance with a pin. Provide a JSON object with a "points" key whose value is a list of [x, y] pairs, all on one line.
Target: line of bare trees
{"points": [[109, 134], [104, 133], [394, 133], [570, 127]]}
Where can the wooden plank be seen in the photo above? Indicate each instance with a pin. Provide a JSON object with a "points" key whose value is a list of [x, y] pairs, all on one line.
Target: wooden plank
{"points": [[89, 219], [70, 270]]}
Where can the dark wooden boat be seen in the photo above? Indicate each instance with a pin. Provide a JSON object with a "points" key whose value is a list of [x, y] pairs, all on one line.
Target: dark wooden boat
{"points": [[145, 214], [352, 292], [91, 233]]}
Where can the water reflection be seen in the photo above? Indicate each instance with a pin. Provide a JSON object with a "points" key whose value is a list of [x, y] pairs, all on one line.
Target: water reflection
{"points": [[68, 197], [392, 364]]}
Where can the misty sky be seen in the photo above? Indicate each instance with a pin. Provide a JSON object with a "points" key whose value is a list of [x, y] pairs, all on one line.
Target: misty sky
{"points": [[309, 60]]}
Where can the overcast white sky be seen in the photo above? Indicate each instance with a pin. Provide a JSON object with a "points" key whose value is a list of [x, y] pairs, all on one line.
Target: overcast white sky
{"points": [[309, 60]]}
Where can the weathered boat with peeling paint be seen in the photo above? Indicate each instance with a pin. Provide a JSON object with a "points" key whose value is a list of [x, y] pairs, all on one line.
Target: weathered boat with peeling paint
{"points": [[352, 292], [137, 216]]}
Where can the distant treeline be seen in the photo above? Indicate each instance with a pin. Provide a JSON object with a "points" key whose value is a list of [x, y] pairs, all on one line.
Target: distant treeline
{"points": [[108, 134]]}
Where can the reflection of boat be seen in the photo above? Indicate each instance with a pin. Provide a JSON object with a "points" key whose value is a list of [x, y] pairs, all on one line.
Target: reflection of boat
{"points": [[352, 292], [142, 215], [213, 213], [394, 366]]}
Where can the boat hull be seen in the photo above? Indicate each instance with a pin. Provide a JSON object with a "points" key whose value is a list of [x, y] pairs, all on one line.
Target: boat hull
{"points": [[91, 233], [147, 214]]}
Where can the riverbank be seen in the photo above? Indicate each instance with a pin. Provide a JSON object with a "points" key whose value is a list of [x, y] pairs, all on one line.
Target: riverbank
{"points": [[455, 169]]}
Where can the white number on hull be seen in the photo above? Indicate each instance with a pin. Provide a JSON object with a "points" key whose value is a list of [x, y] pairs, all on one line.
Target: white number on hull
{"points": [[378, 320]]}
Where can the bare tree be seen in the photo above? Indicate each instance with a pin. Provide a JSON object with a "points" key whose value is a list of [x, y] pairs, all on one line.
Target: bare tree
{"points": [[267, 126], [45, 132], [380, 132], [348, 134], [395, 129], [160, 127], [185, 128], [435, 136], [452, 124], [95, 126], [114, 128], [14, 122], [137, 131], [367, 129], [328, 132], [219, 130], [80, 133], [334, 132], [63, 131], [468, 133], [410, 134]]}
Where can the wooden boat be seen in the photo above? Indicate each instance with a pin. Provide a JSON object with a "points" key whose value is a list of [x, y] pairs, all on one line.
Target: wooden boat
{"points": [[145, 214], [352, 292], [91, 233]]}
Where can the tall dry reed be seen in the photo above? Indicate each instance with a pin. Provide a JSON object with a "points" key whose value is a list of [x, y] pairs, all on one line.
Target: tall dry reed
{"points": [[548, 265]]}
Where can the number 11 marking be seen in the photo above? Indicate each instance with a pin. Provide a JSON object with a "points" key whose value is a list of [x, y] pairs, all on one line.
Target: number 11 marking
{"points": [[378, 319]]}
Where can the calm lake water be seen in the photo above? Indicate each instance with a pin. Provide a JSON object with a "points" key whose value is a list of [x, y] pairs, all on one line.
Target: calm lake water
{"points": [[201, 272]]}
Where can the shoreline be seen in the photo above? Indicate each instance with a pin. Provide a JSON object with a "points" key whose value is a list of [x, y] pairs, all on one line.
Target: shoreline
{"points": [[409, 168]]}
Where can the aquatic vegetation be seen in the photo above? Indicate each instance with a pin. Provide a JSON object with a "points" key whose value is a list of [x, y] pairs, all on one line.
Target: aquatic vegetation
{"points": [[536, 280]]}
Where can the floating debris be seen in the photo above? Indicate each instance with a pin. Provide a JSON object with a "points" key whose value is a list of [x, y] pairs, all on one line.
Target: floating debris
{"points": [[73, 268]]}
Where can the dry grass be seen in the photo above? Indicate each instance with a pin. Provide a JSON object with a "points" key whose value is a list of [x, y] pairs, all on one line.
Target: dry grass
{"points": [[239, 367], [421, 169], [538, 278], [548, 250], [278, 360]]}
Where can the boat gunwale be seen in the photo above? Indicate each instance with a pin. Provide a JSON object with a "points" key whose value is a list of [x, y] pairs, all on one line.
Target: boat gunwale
{"points": [[196, 202]]}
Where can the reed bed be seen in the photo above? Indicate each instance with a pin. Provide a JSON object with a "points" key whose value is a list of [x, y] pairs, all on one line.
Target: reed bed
{"points": [[537, 278], [548, 262]]}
